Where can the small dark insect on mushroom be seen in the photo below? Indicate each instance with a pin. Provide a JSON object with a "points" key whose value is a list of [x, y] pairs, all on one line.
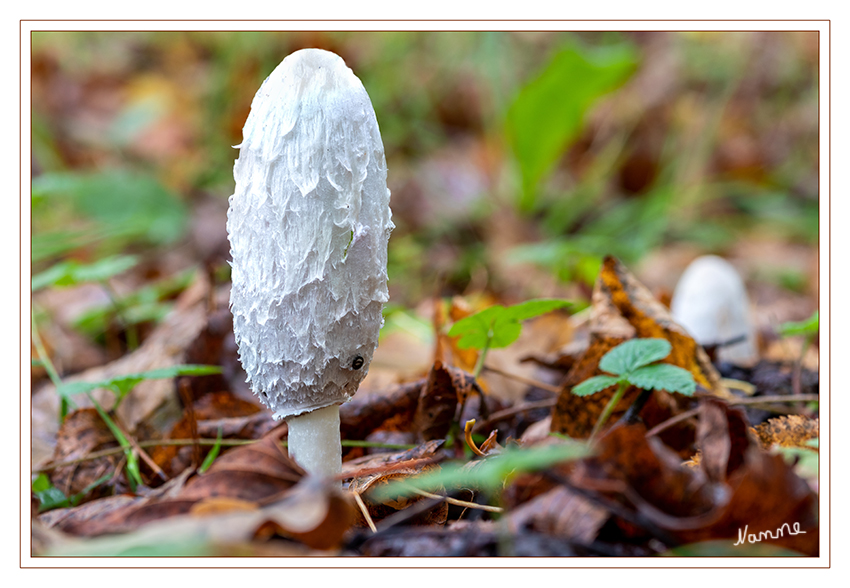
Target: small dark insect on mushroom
{"points": [[357, 363]]}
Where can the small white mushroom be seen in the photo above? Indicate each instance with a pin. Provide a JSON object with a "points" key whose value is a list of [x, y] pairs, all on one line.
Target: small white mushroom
{"points": [[711, 303], [308, 226]]}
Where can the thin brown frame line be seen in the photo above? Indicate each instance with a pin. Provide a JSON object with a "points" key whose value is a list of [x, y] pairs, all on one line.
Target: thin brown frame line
{"points": [[828, 22]]}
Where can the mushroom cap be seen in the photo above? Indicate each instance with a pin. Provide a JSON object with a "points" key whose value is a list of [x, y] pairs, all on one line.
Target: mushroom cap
{"points": [[711, 303], [308, 224]]}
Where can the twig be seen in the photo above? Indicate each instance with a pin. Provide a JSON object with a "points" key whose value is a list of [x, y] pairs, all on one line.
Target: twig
{"points": [[118, 450], [414, 464], [365, 511], [142, 453], [524, 380], [756, 400], [457, 502], [508, 412], [183, 442], [672, 421], [778, 399]]}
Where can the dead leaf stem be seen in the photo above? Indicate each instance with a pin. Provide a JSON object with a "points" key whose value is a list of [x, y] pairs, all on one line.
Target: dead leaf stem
{"points": [[467, 434]]}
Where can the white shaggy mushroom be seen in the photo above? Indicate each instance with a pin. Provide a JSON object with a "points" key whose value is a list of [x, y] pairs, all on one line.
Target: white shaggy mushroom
{"points": [[711, 303], [308, 224]]}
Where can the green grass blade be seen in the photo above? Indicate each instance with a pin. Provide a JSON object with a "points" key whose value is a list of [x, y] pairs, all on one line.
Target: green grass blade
{"points": [[210, 458], [133, 472]]}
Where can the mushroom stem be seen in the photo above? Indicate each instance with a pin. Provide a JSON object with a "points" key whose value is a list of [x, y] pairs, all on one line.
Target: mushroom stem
{"points": [[314, 441]]}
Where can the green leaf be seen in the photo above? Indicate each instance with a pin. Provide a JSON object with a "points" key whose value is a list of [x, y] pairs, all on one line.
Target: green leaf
{"points": [[475, 329], [548, 113], [505, 332], [663, 377], [71, 273], [532, 308], [807, 327], [48, 495], [133, 204], [630, 355], [95, 321], [594, 385], [498, 325], [143, 305], [51, 244], [121, 385], [41, 483]]}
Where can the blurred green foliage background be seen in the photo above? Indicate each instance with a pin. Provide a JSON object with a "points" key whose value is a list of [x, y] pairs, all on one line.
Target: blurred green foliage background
{"points": [[506, 150]]}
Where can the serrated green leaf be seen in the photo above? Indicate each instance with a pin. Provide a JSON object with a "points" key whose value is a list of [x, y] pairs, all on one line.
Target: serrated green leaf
{"points": [[594, 385], [663, 376], [630, 355]]}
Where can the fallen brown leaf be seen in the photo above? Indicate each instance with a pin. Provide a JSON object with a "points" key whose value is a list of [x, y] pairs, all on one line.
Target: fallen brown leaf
{"points": [[210, 412], [735, 489], [84, 432], [623, 308], [559, 512], [437, 404], [373, 471]]}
